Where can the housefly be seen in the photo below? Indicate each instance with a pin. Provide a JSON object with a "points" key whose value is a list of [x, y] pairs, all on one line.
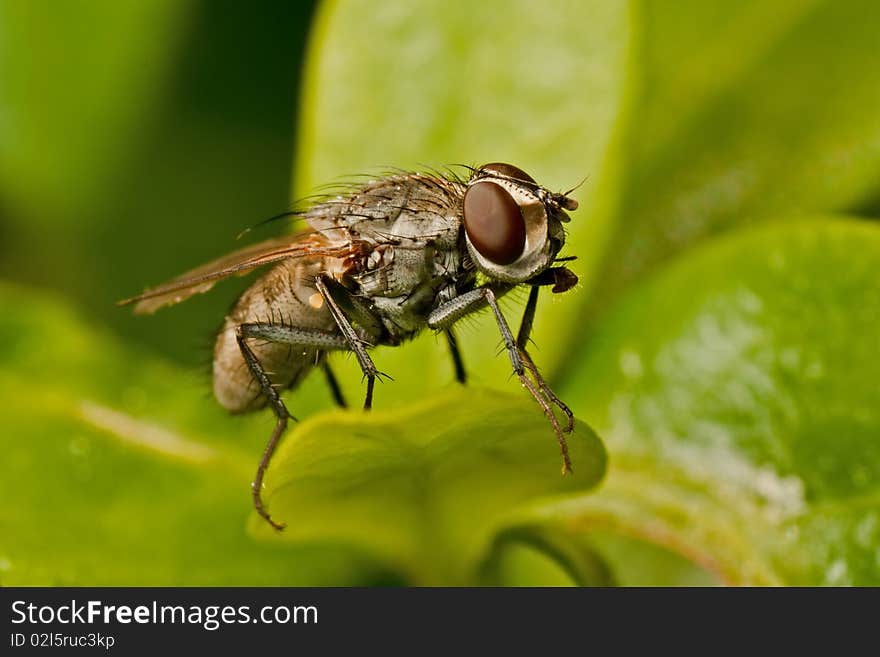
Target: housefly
{"points": [[381, 262]]}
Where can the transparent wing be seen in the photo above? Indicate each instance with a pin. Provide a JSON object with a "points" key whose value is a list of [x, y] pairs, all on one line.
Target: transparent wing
{"points": [[241, 262]]}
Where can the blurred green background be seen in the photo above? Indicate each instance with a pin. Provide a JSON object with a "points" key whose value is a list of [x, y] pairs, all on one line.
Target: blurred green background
{"points": [[722, 342], [140, 136]]}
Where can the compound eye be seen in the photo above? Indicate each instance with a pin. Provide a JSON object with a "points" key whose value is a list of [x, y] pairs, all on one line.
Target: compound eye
{"points": [[508, 170], [494, 223]]}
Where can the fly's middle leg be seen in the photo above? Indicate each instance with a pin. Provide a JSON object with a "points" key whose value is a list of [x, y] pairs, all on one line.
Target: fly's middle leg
{"points": [[341, 304], [457, 362], [333, 384], [288, 335]]}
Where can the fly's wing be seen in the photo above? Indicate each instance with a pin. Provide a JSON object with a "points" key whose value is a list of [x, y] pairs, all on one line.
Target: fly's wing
{"points": [[241, 262]]}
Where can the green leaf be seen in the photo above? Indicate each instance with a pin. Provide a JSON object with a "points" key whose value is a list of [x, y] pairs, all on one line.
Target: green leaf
{"points": [[742, 111], [408, 84], [423, 488], [737, 392], [119, 470]]}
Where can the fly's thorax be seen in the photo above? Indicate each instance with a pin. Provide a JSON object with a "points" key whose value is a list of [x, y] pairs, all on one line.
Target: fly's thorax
{"points": [[395, 271], [399, 208], [377, 273], [513, 226], [402, 283]]}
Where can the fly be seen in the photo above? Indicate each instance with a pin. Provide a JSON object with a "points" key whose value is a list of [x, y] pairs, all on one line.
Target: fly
{"points": [[381, 262]]}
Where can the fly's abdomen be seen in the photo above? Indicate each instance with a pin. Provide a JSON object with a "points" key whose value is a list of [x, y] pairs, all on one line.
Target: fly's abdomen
{"points": [[285, 296]]}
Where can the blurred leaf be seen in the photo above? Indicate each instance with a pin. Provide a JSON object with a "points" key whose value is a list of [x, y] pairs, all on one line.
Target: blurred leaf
{"points": [[544, 555], [78, 78], [432, 83], [127, 464], [424, 487], [744, 110], [737, 392], [634, 562], [136, 141]]}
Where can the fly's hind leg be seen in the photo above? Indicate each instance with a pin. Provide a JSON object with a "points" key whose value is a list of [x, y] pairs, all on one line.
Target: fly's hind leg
{"points": [[288, 335], [341, 304]]}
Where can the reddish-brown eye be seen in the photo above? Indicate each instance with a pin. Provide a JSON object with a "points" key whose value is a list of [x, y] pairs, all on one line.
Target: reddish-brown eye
{"points": [[493, 222], [508, 170]]}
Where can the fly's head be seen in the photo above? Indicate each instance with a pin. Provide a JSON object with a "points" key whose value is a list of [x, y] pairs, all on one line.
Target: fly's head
{"points": [[513, 226]]}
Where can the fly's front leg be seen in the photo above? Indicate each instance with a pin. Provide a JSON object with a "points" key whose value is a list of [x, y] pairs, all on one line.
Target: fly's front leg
{"points": [[522, 341], [336, 296], [445, 315], [454, 309], [288, 335]]}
